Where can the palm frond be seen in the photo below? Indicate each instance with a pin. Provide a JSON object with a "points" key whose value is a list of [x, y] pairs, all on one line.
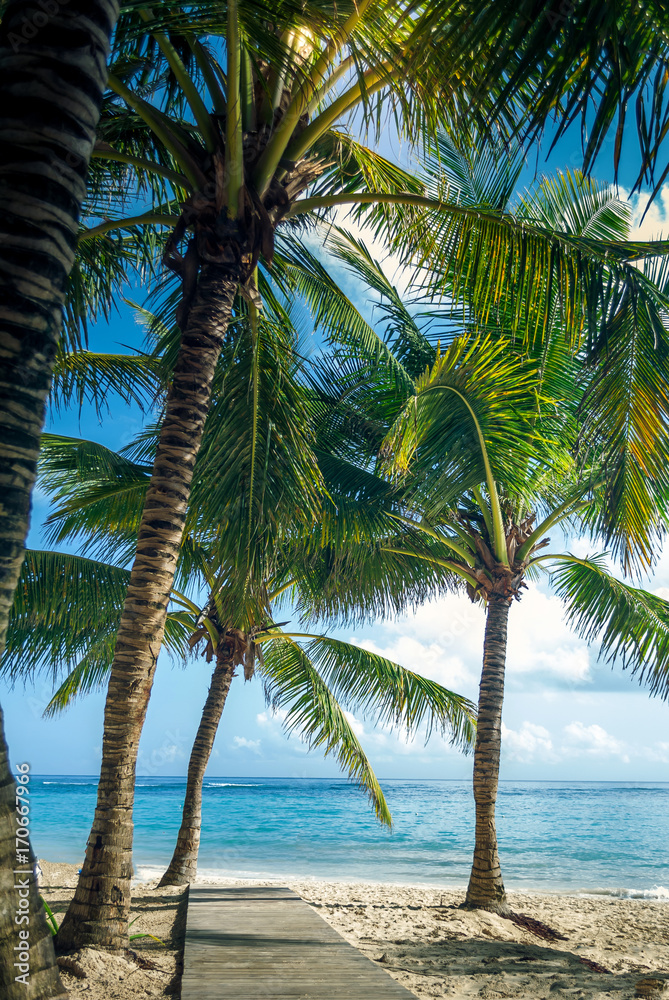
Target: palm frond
{"points": [[63, 605], [376, 686], [64, 620], [476, 402], [92, 671], [90, 377], [629, 624], [473, 170], [98, 495], [293, 682], [332, 310], [625, 421], [593, 63]]}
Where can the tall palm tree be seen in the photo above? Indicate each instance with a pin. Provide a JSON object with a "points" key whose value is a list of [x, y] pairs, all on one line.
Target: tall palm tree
{"points": [[238, 171], [492, 431], [499, 528], [47, 132], [52, 75]]}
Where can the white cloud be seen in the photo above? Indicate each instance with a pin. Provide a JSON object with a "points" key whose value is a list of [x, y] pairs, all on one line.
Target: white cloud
{"points": [[541, 642], [658, 752], [595, 740], [274, 718], [362, 295], [528, 744], [656, 223], [443, 640], [427, 658], [377, 737], [533, 743], [241, 743]]}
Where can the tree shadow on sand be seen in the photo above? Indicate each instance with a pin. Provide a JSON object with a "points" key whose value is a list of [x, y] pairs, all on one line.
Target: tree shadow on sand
{"points": [[505, 968]]}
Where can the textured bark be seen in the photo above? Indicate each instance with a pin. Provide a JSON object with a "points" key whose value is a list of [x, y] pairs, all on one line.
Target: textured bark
{"points": [[43, 979], [52, 75], [486, 888], [183, 866], [98, 914], [53, 69]]}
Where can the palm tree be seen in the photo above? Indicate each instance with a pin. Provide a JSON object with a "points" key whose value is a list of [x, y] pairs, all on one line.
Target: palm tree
{"points": [[498, 530], [240, 171], [619, 337], [48, 133], [314, 678], [52, 75], [597, 210], [490, 435], [231, 179]]}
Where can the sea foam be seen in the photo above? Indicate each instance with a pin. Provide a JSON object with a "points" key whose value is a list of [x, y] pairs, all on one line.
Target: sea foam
{"points": [[658, 892]]}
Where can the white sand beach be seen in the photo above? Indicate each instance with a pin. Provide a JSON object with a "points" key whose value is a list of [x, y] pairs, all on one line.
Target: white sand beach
{"points": [[419, 936]]}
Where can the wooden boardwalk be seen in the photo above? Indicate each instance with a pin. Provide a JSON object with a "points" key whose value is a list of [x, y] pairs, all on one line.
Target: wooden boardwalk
{"points": [[261, 943]]}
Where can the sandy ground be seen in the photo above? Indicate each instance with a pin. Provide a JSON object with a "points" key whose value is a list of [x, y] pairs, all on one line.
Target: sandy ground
{"points": [[421, 937], [149, 969]]}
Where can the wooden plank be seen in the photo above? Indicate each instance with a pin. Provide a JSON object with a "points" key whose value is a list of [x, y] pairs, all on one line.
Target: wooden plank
{"points": [[260, 943]]}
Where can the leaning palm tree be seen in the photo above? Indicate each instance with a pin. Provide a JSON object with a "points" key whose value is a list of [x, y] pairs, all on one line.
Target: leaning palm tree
{"points": [[238, 173], [52, 76]]}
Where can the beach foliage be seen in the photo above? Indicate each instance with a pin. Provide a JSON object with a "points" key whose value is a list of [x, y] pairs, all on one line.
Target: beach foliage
{"points": [[629, 624], [500, 428], [225, 156], [66, 613]]}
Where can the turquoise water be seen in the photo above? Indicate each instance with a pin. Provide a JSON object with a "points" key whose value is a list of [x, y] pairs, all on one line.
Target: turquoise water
{"points": [[603, 837]]}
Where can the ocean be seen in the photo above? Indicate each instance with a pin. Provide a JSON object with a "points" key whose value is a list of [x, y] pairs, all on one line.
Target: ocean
{"points": [[609, 838]]}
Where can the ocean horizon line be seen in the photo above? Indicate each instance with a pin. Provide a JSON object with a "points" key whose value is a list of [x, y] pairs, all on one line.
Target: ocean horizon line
{"points": [[348, 781]]}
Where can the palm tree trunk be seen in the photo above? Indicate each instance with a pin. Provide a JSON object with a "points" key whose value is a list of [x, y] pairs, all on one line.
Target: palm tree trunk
{"points": [[53, 70], [52, 74], [98, 914], [183, 866], [486, 888], [35, 965]]}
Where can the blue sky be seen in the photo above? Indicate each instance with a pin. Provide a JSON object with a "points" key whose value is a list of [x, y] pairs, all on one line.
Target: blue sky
{"points": [[567, 716]]}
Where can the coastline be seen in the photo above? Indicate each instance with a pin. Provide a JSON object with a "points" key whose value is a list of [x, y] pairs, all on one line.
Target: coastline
{"points": [[145, 874], [421, 937], [599, 838]]}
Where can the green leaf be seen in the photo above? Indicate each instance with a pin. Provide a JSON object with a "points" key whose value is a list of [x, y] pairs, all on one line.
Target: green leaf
{"points": [[630, 624], [376, 686], [292, 682]]}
